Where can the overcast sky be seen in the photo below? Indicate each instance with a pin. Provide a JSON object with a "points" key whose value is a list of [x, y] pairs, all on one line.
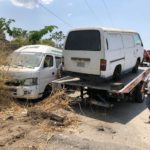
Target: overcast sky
{"points": [[68, 14]]}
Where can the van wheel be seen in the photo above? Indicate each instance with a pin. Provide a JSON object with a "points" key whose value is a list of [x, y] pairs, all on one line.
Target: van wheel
{"points": [[117, 73], [47, 91], [135, 68]]}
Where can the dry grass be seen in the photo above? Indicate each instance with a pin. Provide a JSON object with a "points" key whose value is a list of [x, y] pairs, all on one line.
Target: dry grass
{"points": [[57, 103], [57, 100], [5, 98]]}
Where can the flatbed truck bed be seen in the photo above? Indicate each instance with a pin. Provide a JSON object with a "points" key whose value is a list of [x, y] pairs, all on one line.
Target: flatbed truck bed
{"points": [[127, 88]]}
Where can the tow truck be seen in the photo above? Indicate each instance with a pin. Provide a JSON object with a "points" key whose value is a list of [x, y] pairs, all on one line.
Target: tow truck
{"points": [[104, 92]]}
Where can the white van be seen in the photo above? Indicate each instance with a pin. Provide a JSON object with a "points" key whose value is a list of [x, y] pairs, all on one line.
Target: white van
{"points": [[32, 68], [102, 52]]}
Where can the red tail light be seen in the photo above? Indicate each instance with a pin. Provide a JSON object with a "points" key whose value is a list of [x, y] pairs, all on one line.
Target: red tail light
{"points": [[103, 64]]}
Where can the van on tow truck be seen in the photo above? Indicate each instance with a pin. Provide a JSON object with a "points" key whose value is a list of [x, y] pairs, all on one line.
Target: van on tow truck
{"points": [[98, 61]]}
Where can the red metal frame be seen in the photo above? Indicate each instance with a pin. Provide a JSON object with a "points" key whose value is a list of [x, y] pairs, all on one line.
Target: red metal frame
{"points": [[146, 56], [129, 87]]}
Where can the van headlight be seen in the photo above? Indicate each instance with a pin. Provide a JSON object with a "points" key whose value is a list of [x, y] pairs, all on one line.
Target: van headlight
{"points": [[30, 81]]}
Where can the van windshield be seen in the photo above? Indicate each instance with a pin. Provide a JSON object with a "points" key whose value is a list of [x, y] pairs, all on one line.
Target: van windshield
{"points": [[28, 60], [87, 40]]}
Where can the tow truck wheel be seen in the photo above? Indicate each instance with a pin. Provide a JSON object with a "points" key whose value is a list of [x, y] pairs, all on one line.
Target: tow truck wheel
{"points": [[47, 91], [137, 95]]}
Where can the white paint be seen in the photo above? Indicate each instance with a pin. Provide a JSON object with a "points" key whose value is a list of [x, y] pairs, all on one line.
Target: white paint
{"points": [[44, 75], [121, 44]]}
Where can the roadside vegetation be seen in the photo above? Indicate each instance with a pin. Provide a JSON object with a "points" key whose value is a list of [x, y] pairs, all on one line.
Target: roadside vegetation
{"points": [[48, 114], [17, 37], [5, 98], [12, 37]]}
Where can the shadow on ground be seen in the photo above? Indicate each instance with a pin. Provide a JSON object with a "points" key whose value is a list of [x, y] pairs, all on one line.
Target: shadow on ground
{"points": [[122, 112]]}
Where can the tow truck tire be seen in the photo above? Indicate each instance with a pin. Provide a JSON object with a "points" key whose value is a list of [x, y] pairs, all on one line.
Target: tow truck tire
{"points": [[47, 91], [138, 96]]}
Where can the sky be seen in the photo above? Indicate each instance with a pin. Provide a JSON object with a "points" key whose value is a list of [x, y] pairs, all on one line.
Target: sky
{"points": [[70, 14]]}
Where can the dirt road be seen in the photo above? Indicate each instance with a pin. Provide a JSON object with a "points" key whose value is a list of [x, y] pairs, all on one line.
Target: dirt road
{"points": [[125, 124], [123, 127]]}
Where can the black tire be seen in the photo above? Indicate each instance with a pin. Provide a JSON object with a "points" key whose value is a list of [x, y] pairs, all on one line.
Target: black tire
{"points": [[135, 68], [137, 95], [47, 91], [117, 73]]}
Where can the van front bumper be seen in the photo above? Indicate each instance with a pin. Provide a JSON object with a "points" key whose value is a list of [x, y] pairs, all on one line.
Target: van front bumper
{"points": [[25, 92]]}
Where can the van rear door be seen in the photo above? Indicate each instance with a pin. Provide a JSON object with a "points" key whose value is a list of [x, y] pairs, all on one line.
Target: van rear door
{"points": [[82, 52]]}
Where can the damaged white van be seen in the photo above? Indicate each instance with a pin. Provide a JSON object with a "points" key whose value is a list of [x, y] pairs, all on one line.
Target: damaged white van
{"points": [[32, 68], [102, 52]]}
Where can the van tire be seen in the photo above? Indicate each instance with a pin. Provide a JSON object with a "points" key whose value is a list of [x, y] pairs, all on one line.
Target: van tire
{"points": [[135, 68], [47, 91], [117, 73]]}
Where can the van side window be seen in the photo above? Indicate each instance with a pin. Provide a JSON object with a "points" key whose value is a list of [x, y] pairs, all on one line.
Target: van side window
{"points": [[115, 41], [48, 62], [58, 61], [128, 40], [137, 39]]}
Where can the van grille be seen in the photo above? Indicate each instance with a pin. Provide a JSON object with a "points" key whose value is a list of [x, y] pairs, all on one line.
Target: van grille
{"points": [[13, 83]]}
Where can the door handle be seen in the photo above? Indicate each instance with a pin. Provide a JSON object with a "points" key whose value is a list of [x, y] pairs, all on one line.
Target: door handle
{"points": [[53, 73]]}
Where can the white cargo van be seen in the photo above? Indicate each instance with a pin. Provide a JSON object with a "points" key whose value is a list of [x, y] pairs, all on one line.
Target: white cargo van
{"points": [[32, 68], [102, 52]]}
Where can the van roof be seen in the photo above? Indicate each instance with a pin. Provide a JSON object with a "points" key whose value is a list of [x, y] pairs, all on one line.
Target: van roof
{"points": [[40, 48], [104, 29]]}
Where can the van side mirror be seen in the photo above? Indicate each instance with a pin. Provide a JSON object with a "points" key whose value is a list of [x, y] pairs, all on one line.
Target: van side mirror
{"points": [[142, 44], [107, 44]]}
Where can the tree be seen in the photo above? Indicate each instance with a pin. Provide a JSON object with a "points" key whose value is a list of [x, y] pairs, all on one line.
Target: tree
{"points": [[22, 37], [36, 36], [58, 37], [18, 33], [47, 42], [5, 25]]}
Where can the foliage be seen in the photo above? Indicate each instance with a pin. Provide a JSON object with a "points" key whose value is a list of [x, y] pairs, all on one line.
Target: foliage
{"points": [[47, 42], [36, 36], [5, 25], [58, 37], [18, 32], [20, 37]]}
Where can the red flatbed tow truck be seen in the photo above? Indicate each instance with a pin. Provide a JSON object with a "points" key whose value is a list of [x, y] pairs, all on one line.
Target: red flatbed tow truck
{"points": [[103, 92]]}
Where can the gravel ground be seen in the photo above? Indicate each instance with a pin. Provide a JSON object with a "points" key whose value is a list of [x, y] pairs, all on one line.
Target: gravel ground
{"points": [[123, 127]]}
